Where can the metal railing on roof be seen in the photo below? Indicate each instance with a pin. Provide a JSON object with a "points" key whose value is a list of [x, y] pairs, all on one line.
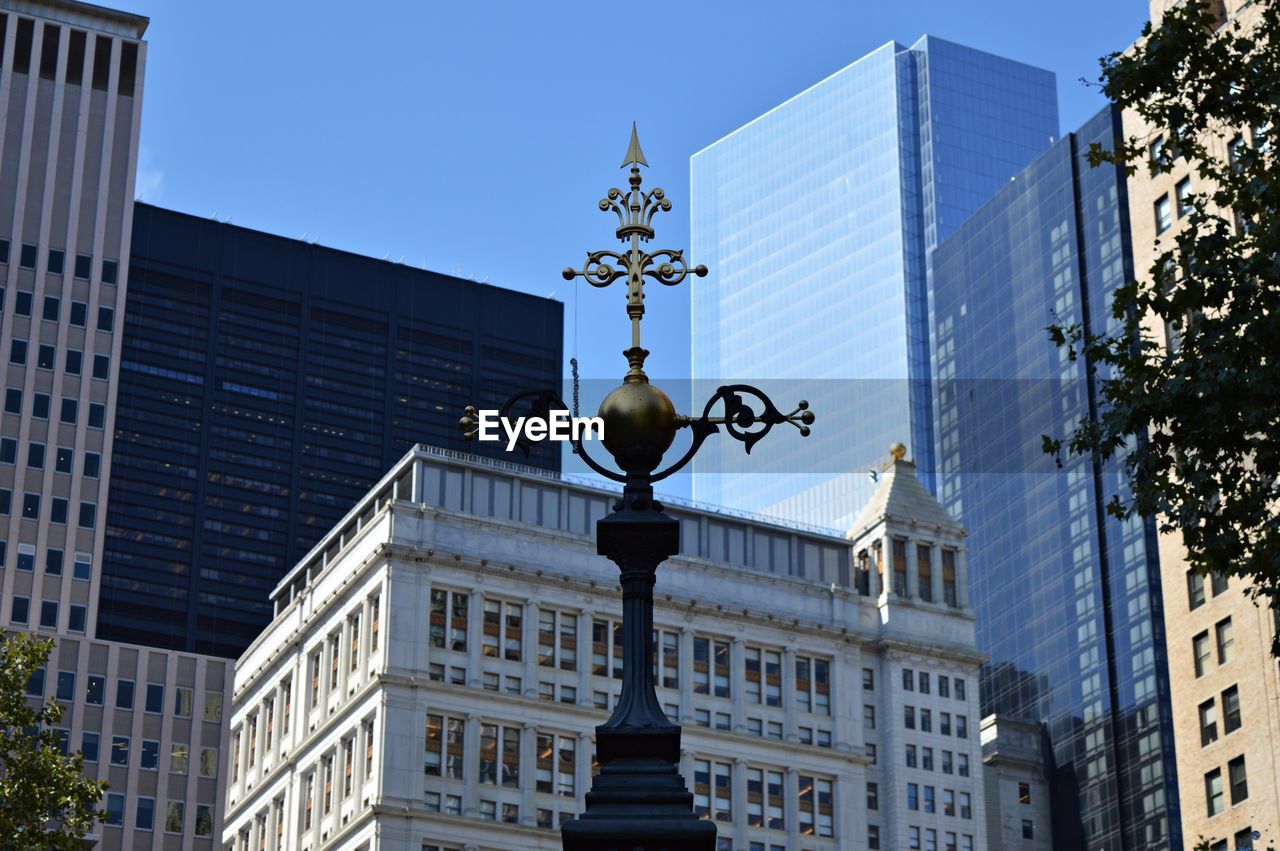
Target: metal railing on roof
{"points": [[609, 487]]}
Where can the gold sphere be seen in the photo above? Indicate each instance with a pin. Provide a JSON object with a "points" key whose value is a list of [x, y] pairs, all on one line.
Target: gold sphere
{"points": [[898, 450], [638, 413]]}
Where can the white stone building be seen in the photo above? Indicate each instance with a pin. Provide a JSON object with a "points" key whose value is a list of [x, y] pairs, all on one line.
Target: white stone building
{"points": [[1017, 792], [438, 663], [149, 721]]}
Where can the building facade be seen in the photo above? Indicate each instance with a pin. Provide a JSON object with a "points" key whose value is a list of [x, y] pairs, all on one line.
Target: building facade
{"points": [[1017, 793], [149, 722], [266, 383], [828, 206], [438, 662], [1068, 599], [1225, 682]]}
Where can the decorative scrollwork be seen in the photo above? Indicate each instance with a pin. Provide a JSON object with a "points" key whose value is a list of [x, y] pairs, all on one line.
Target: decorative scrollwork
{"points": [[670, 273], [740, 420]]}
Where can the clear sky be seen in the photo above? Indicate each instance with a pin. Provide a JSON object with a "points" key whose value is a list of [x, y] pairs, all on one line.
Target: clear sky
{"points": [[476, 138]]}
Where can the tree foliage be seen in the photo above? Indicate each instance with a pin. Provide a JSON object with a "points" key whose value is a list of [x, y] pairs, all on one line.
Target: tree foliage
{"points": [[1196, 422], [46, 802]]}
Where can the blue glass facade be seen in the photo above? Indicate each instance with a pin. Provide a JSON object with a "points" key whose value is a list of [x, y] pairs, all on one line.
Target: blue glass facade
{"points": [[816, 220], [1068, 599], [265, 385]]}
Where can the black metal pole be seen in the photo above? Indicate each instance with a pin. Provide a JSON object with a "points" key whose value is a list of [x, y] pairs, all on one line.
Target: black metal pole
{"points": [[638, 802]]}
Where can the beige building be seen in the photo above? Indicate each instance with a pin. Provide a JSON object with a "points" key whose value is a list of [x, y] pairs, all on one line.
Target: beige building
{"points": [[148, 721], [438, 663], [1225, 686]]}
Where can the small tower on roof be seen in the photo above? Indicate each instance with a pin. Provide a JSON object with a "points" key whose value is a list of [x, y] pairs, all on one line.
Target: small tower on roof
{"points": [[906, 547]]}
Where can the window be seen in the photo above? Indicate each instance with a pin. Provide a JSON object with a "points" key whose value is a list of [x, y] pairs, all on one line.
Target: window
{"points": [[119, 750], [79, 313], [1164, 217], [35, 682], [102, 367], [97, 415], [179, 758], [18, 352], [145, 817], [900, 566], [1239, 782], [13, 401], [926, 721], [712, 790], [911, 756], [1230, 710], [4, 251], [213, 706], [710, 664], [948, 802], [444, 747], [500, 755], [1028, 829], [1024, 793], [503, 629], [31, 506], [1226, 642], [176, 817], [1220, 583], [868, 679], [110, 268], [873, 837], [106, 318], [909, 717], [26, 558], [155, 698], [908, 679], [913, 796], [40, 406], [89, 747], [962, 727], [88, 515], [924, 572], [22, 303], [149, 758], [962, 764], [944, 723], [1208, 722], [58, 513], [92, 467], [76, 617], [6, 501], [95, 690], [52, 304], [1195, 589], [949, 588], [923, 682], [35, 455], [1183, 193], [966, 805], [448, 619], [8, 450], [83, 262], [1200, 652], [63, 459], [124, 694], [208, 762], [115, 809], [926, 759], [182, 702], [869, 716], [70, 410], [73, 361], [27, 256], [1213, 791], [929, 805], [66, 688], [45, 356]]}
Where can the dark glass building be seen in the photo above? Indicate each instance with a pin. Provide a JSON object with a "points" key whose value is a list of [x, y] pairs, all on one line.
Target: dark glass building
{"points": [[265, 385], [1067, 598]]}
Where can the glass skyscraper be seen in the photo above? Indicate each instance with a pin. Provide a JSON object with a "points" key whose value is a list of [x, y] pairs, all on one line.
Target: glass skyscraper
{"points": [[1067, 598], [816, 220]]}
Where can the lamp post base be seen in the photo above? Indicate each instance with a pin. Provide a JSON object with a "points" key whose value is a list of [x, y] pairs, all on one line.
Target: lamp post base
{"points": [[639, 805]]}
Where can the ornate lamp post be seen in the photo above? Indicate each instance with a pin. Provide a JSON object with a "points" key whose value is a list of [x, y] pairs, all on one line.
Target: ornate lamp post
{"points": [[639, 801]]}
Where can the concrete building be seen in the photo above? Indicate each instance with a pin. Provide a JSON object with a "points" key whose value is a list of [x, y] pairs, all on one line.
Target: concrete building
{"points": [[438, 662], [149, 722], [1017, 793], [1225, 683], [828, 205], [1068, 599]]}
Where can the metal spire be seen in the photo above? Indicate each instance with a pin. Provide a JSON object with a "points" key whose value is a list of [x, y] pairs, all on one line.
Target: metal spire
{"points": [[635, 156]]}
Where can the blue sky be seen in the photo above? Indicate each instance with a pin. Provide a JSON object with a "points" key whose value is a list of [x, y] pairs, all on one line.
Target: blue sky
{"points": [[476, 138]]}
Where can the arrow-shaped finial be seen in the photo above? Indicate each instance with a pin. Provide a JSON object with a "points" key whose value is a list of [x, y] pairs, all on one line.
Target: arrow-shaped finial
{"points": [[635, 156]]}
